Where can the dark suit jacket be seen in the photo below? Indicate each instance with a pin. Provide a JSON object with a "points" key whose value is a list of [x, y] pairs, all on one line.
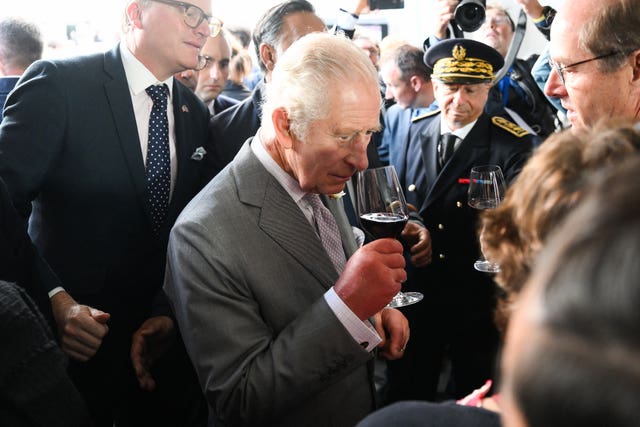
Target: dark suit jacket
{"points": [[19, 259], [69, 143], [221, 103], [247, 274], [229, 129]]}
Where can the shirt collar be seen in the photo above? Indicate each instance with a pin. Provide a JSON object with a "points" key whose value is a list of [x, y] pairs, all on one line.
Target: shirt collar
{"points": [[460, 133], [138, 76]]}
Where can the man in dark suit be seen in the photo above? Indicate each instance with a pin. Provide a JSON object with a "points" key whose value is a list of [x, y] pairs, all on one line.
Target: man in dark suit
{"points": [[276, 319], [280, 26], [211, 79], [455, 318], [74, 141]]}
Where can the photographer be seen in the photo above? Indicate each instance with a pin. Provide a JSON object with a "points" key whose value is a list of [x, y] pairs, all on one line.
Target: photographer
{"points": [[517, 90]]}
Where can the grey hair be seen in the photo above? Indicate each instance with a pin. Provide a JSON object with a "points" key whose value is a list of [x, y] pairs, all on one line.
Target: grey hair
{"points": [[308, 72]]}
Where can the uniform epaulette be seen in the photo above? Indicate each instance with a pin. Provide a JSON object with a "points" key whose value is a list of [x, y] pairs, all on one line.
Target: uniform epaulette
{"points": [[509, 126], [425, 115]]}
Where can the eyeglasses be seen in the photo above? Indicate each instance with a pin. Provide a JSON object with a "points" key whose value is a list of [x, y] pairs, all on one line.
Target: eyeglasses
{"points": [[193, 16], [497, 20], [560, 68]]}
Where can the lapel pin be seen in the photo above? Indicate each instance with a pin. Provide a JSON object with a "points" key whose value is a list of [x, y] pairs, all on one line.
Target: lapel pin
{"points": [[185, 109], [198, 154]]}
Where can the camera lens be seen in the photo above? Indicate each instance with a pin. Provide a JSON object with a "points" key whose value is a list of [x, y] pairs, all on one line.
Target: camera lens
{"points": [[470, 15]]}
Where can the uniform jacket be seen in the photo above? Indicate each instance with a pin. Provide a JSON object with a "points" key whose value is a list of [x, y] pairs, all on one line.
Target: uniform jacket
{"points": [[441, 195]]}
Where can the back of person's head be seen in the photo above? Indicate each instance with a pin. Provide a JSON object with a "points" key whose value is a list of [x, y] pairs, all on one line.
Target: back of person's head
{"points": [[308, 73], [409, 59], [578, 363], [548, 188], [269, 26], [614, 27], [242, 34], [20, 45]]}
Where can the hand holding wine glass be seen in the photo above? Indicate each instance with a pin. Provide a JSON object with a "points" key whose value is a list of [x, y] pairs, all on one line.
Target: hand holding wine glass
{"points": [[486, 190], [383, 213]]}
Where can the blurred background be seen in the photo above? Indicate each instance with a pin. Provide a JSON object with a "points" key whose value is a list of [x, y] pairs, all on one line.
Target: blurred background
{"points": [[72, 27]]}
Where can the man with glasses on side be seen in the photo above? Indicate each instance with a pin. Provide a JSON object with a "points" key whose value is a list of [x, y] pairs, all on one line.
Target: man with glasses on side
{"points": [[595, 52], [109, 148]]}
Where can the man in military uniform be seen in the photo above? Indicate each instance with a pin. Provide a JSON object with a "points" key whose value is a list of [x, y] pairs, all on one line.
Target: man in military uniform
{"points": [[454, 322]]}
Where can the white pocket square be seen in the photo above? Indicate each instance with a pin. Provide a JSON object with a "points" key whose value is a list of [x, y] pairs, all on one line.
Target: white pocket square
{"points": [[198, 154]]}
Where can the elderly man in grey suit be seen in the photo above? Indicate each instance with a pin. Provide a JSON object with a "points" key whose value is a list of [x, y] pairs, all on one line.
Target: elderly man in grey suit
{"points": [[281, 332]]}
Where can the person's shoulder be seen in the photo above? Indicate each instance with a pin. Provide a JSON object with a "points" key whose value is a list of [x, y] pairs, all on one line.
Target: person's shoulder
{"points": [[427, 115], [507, 127]]}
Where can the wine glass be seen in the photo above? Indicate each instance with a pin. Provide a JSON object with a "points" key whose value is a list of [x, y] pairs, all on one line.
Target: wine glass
{"points": [[383, 213], [486, 190]]}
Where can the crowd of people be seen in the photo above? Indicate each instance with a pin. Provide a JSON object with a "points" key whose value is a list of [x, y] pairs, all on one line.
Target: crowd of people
{"points": [[180, 243]]}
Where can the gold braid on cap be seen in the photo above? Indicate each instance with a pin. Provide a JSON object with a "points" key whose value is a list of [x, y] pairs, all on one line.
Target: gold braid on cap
{"points": [[458, 67]]}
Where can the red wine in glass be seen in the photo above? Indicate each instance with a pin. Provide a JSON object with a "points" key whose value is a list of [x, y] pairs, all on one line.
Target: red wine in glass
{"points": [[383, 213], [383, 224]]}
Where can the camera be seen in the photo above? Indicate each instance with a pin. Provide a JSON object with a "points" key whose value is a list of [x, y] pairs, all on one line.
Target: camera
{"points": [[470, 14]]}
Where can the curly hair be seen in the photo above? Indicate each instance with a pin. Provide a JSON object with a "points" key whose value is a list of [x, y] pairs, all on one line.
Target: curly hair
{"points": [[549, 187]]}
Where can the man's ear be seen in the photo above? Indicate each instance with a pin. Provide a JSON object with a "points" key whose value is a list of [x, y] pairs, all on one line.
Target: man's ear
{"points": [[268, 56], [635, 63], [282, 127], [416, 83], [134, 14]]}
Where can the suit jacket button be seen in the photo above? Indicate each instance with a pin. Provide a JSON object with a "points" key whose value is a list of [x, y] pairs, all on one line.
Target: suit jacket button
{"points": [[441, 256], [459, 204], [411, 187], [440, 226]]}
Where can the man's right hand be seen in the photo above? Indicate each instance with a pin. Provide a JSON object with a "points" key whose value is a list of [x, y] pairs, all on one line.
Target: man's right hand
{"points": [[81, 328], [372, 276], [445, 10]]}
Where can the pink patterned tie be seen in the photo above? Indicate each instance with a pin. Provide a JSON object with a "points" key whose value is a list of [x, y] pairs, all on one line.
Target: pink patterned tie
{"points": [[327, 229]]}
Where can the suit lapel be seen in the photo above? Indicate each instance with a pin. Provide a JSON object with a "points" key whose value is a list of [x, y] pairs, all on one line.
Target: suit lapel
{"points": [[117, 92], [281, 218], [188, 172]]}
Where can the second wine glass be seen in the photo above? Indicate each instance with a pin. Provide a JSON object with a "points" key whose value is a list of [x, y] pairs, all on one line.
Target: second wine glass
{"points": [[486, 190], [383, 213]]}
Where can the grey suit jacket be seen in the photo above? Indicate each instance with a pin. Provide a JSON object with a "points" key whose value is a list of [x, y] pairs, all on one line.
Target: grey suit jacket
{"points": [[246, 275]]}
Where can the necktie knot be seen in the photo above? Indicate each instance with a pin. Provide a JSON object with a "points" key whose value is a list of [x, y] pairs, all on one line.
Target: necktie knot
{"points": [[158, 94]]}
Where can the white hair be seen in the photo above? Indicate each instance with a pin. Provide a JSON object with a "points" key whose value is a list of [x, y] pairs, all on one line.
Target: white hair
{"points": [[306, 75]]}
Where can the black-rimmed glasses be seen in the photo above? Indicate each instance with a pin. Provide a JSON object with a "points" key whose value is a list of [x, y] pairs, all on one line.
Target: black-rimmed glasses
{"points": [[194, 16], [560, 68]]}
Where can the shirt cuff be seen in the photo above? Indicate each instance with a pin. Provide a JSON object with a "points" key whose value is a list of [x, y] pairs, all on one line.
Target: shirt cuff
{"points": [[55, 290], [362, 332], [347, 20]]}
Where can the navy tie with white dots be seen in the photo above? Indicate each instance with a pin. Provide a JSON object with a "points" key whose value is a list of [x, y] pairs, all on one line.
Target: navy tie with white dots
{"points": [[158, 158]]}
